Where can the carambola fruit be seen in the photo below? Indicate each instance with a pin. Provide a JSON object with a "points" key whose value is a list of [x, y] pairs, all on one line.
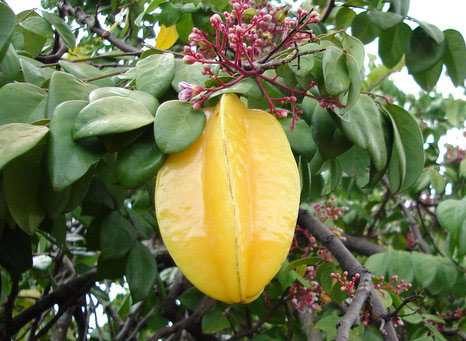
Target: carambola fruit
{"points": [[227, 206]]}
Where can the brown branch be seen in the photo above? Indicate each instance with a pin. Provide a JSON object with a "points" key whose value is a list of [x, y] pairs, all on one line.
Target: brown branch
{"points": [[395, 313], [59, 296], [328, 10], [93, 25], [453, 332], [410, 219], [194, 318], [106, 75], [261, 322], [361, 245], [130, 320], [378, 214], [10, 303], [351, 316], [54, 56], [349, 263]]}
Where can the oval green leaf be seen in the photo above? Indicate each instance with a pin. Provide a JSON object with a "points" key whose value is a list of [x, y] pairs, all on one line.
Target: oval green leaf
{"points": [[67, 160], [22, 103], [177, 125], [149, 101], [141, 272], [110, 115], [155, 73], [138, 163]]}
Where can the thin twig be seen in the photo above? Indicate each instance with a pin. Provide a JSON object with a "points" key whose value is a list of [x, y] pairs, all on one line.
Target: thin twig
{"points": [[378, 214], [349, 263], [328, 10], [106, 75], [395, 313], [351, 316]]}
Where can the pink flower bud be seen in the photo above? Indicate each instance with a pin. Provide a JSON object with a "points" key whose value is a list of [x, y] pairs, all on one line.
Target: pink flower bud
{"points": [[189, 59], [215, 20]]}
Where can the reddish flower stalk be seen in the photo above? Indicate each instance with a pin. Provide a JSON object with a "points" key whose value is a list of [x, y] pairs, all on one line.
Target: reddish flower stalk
{"points": [[248, 41]]}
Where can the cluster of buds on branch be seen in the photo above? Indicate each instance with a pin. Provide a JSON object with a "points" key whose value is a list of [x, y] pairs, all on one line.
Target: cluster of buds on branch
{"points": [[345, 284], [310, 298], [248, 41], [393, 285]]}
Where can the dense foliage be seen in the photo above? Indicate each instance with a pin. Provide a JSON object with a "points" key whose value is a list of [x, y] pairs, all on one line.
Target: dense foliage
{"points": [[85, 124]]}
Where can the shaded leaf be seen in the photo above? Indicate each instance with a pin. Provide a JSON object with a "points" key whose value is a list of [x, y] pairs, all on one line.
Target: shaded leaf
{"points": [[117, 236], [22, 103], [427, 79], [67, 160], [363, 28], [393, 44], [15, 251], [18, 138], [384, 20], [155, 73], [300, 138], [454, 56], [423, 52], [7, 26], [138, 163], [62, 28], [141, 271]]}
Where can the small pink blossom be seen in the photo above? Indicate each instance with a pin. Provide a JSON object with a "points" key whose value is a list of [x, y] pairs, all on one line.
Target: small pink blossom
{"points": [[188, 91]]}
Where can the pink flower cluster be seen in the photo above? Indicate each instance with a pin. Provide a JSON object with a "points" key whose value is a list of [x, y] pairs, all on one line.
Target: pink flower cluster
{"points": [[302, 298], [345, 284], [393, 285], [329, 210], [245, 40]]}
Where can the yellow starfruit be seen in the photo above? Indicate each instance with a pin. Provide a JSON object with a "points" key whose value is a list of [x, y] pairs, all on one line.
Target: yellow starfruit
{"points": [[227, 206]]}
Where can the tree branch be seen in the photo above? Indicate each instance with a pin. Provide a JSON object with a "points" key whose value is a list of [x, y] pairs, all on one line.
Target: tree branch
{"points": [[361, 245], [194, 318], [59, 296], [93, 25], [376, 217], [351, 316], [348, 262], [54, 57], [328, 10]]}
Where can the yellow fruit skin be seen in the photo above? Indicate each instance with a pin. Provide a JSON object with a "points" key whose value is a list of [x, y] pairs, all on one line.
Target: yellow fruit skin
{"points": [[227, 206]]}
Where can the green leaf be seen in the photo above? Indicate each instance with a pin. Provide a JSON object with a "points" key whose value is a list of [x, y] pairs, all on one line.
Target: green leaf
{"points": [[423, 52], [328, 325], [62, 28], [37, 25], [366, 128], [138, 163], [141, 272], [446, 272], [463, 168], [15, 251], [378, 263], [354, 47], [328, 138], [399, 6], [302, 261], [306, 63], [393, 44], [18, 138], [354, 161], [400, 264], [184, 27], [425, 268], [177, 125], [413, 144], [9, 66], [247, 87], [67, 160], [21, 181], [438, 181], [432, 31], [170, 14], [65, 87], [336, 76], [149, 101], [300, 138], [462, 241], [364, 29], [110, 115], [214, 321], [189, 73], [344, 17], [354, 89], [427, 79], [83, 70], [451, 214], [155, 73], [22, 103], [384, 20], [305, 179], [454, 56], [7, 26], [191, 298], [117, 236], [33, 72], [79, 190]]}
